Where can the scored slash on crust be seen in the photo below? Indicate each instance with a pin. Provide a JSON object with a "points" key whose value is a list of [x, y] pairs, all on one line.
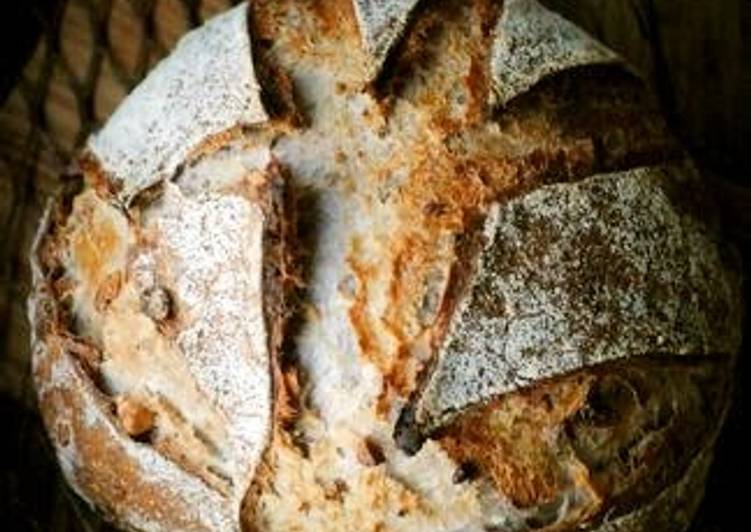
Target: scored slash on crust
{"points": [[182, 103], [530, 43]]}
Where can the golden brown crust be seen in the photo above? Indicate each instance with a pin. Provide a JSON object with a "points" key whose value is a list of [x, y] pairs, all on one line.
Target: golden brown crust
{"points": [[617, 434], [508, 440], [102, 469]]}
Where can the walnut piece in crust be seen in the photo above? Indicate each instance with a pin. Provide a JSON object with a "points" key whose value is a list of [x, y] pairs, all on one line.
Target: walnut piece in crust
{"points": [[136, 418]]}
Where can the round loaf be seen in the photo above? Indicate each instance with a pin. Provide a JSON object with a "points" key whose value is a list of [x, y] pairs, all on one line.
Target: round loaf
{"points": [[386, 266]]}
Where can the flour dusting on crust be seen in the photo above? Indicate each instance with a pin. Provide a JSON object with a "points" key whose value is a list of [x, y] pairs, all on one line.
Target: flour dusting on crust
{"points": [[195, 365], [533, 42], [205, 87], [215, 258], [574, 275], [381, 24]]}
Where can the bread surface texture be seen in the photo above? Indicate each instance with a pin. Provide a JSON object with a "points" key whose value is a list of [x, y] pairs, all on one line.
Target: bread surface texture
{"points": [[386, 266]]}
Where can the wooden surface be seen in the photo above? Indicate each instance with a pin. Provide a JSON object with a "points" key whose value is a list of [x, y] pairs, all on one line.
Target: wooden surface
{"points": [[696, 54]]}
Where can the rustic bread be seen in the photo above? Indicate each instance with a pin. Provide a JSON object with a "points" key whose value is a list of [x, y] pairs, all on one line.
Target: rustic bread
{"points": [[385, 266]]}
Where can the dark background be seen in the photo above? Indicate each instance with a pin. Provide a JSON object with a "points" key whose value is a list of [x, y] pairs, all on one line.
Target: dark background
{"points": [[65, 65]]}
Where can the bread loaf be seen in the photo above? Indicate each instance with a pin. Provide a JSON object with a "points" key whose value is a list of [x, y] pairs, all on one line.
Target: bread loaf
{"points": [[385, 266]]}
